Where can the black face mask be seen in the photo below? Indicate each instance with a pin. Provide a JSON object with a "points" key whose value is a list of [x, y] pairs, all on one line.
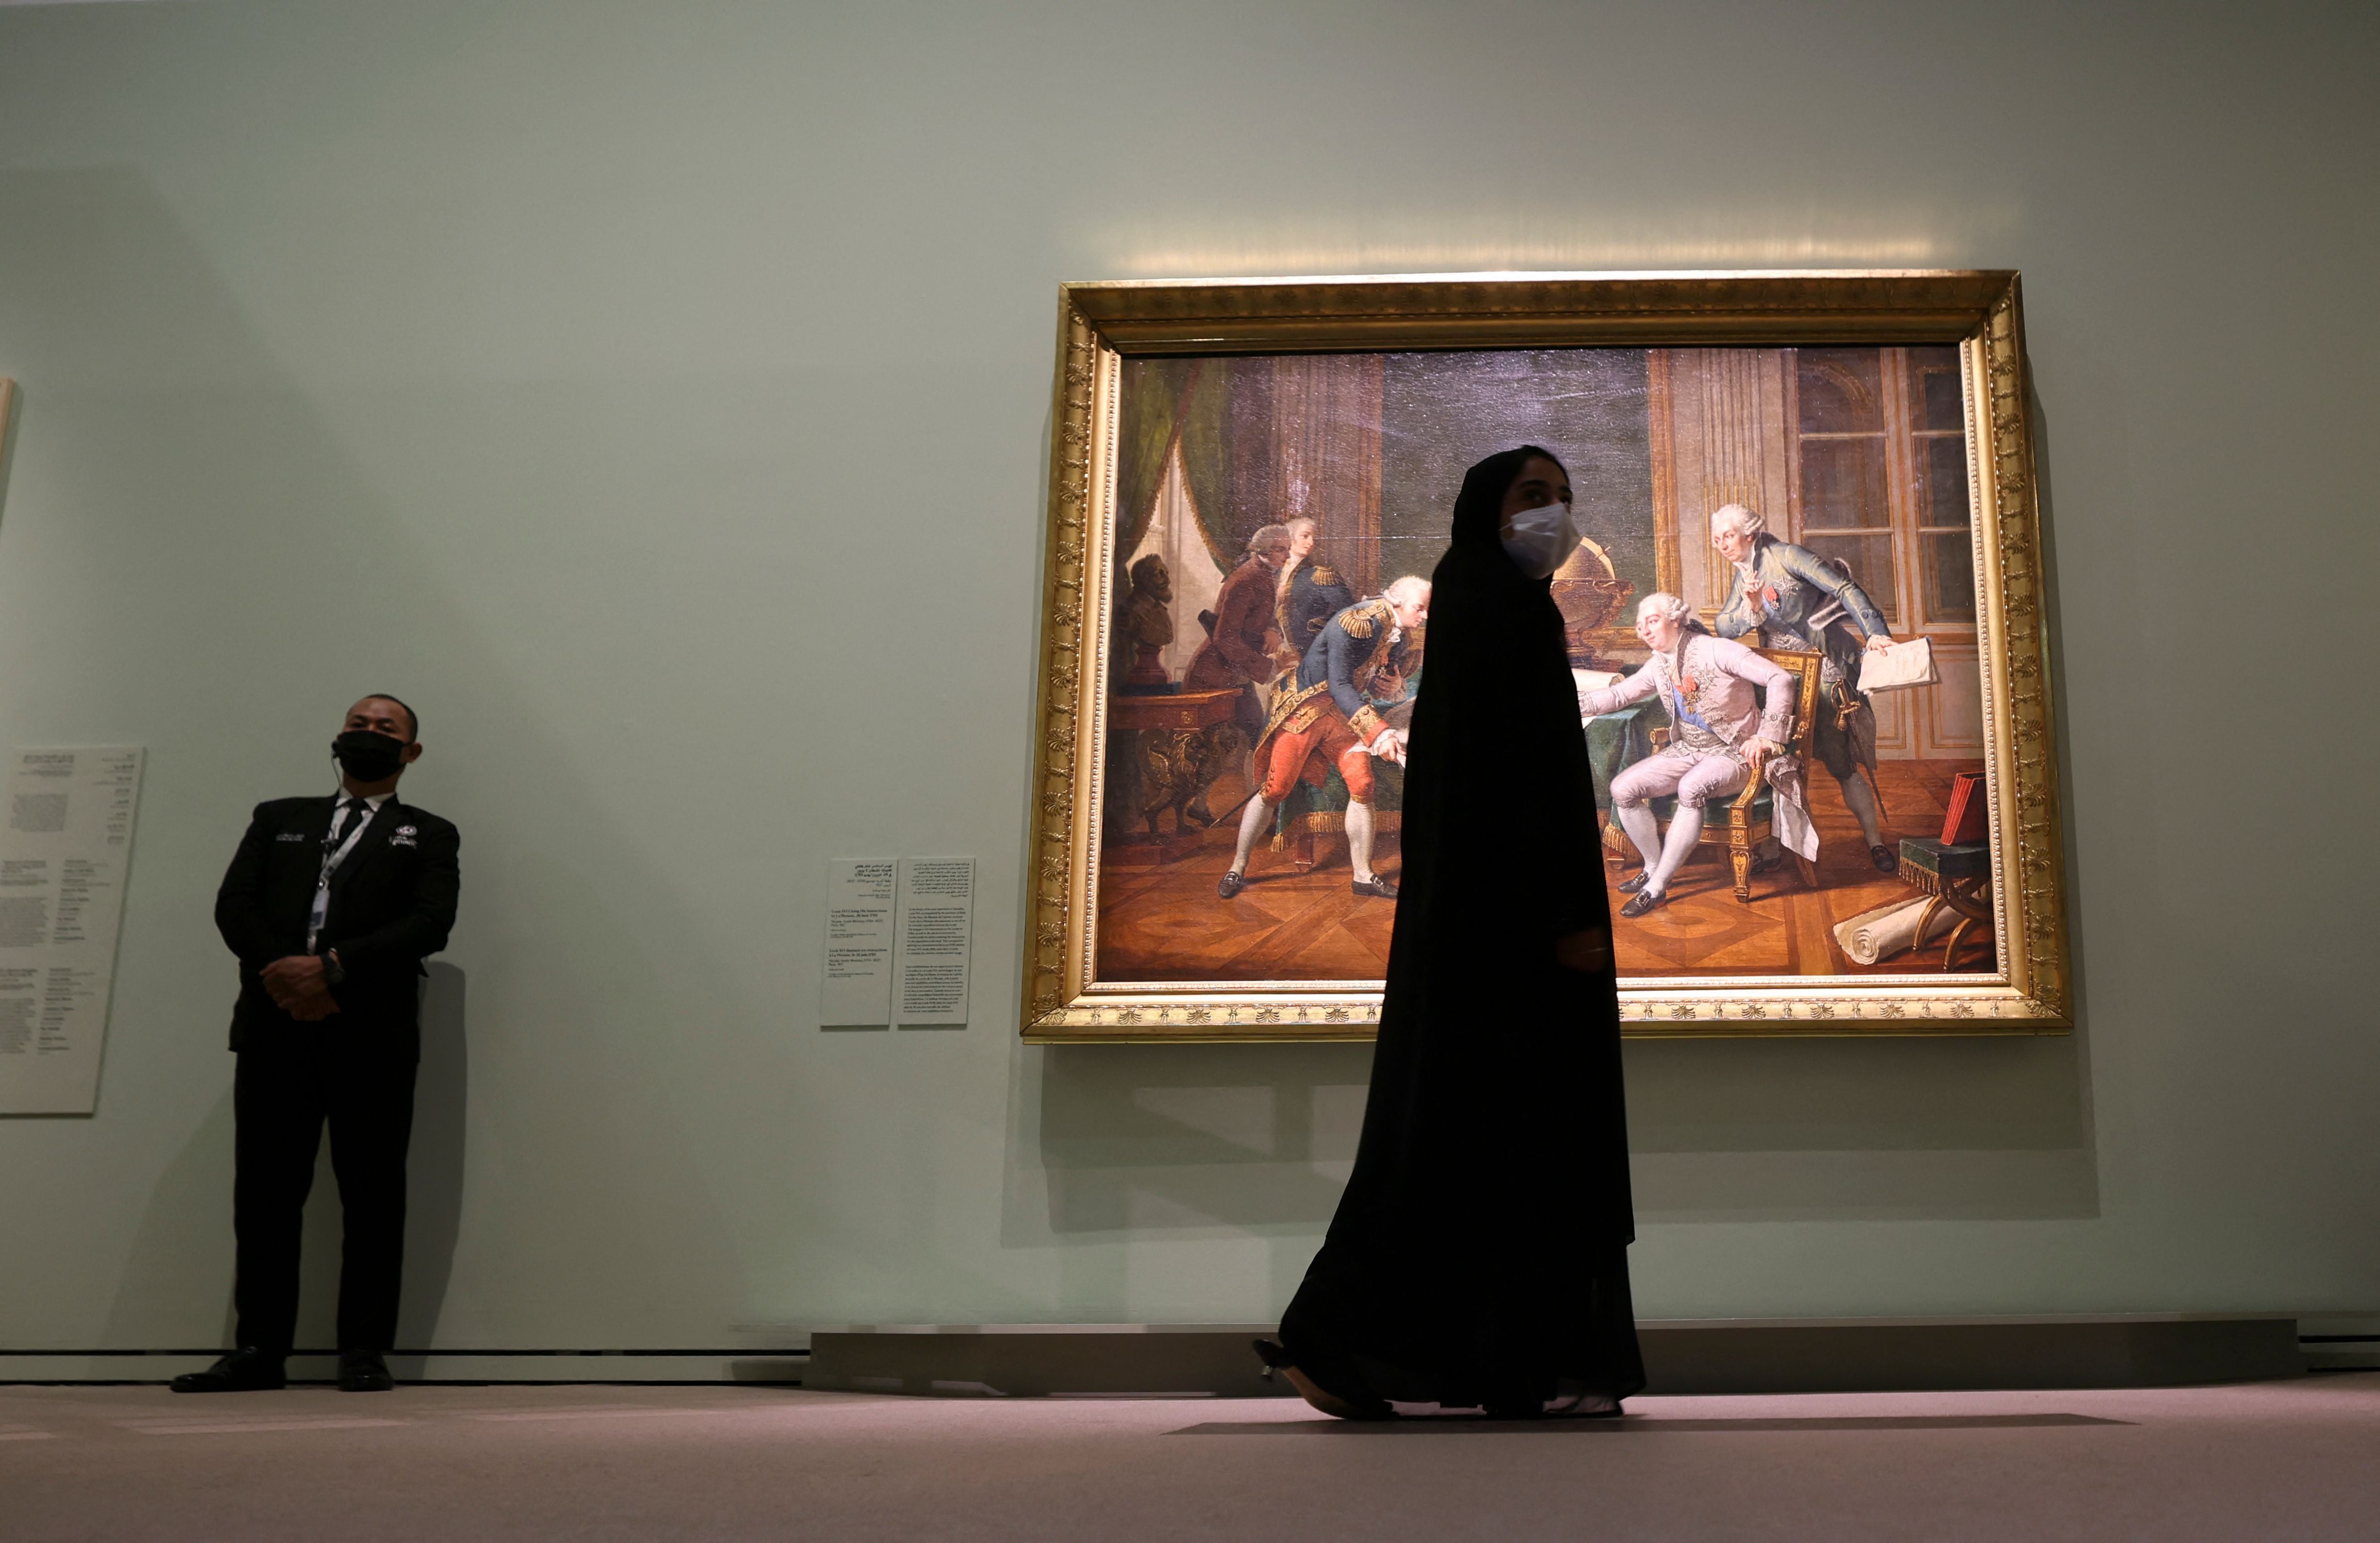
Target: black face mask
{"points": [[367, 755]]}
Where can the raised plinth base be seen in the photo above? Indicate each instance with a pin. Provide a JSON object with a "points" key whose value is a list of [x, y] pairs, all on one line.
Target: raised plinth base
{"points": [[1210, 1360], [784, 1367], [1695, 1355]]}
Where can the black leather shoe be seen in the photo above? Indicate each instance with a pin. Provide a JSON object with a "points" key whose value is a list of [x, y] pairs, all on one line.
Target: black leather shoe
{"points": [[1645, 900], [363, 1371], [242, 1371], [1376, 887], [1233, 884], [1885, 861], [1630, 886]]}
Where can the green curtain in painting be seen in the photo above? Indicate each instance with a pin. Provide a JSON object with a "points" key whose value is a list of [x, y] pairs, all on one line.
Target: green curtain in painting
{"points": [[1218, 413], [1262, 439], [1171, 403]]}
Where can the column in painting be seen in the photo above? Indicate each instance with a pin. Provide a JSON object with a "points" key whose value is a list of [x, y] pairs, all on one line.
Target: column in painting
{"points": [[1718, 438]]}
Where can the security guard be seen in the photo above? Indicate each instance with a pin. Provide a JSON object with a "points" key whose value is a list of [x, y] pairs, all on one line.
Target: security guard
{"points": [[331, 904]]}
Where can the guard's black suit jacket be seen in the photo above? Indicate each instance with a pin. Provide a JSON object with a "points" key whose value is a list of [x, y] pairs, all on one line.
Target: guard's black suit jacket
{"points": [[392, 905]]}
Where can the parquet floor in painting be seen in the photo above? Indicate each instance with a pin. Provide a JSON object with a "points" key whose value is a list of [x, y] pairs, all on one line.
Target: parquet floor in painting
{"points": [[1165, 923]]}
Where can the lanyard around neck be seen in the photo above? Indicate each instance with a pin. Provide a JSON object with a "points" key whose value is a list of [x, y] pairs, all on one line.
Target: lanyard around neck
{"points": [[331, 860]]}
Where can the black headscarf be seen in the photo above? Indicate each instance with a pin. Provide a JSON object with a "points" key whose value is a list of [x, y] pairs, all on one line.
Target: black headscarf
{"points": [[1478, 1254]]}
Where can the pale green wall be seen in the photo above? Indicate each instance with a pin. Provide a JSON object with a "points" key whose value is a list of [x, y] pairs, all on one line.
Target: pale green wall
{"points": [[657, 395]]}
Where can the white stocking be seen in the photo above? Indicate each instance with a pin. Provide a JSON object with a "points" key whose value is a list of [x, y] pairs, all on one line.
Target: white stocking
{"points": [[1644, 831], [1686, 829], [1359, 841], [1252, 825], [1862, 799]]}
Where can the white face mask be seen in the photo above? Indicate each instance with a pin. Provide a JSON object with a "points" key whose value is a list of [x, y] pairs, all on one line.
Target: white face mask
{"points": [[1541, 539]]}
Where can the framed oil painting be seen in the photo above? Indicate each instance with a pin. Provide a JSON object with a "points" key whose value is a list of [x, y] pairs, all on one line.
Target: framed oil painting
{"points": [[1251, 482]]}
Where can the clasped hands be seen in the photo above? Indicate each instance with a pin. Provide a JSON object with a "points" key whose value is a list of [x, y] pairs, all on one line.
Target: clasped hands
{"points": [[299, 988]]}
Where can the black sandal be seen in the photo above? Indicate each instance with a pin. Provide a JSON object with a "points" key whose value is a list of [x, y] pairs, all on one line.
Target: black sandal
{"points": [[1277, 1359]]}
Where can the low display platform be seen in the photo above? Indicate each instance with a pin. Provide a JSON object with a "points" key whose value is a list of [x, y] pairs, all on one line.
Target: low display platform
{"points": [[1690, 1355], [1210, 1360]]}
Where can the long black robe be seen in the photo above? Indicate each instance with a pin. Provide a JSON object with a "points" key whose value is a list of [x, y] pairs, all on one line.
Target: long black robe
{"points": [[1478, 1256]]}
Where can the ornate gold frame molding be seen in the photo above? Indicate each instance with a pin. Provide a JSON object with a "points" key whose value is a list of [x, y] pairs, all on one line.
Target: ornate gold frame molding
{"points": [[1100, 324]]}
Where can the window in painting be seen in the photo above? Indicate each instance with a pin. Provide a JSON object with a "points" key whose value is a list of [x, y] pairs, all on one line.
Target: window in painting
{"points": [[1879, 460], [1937, 459], [1845, 504]]}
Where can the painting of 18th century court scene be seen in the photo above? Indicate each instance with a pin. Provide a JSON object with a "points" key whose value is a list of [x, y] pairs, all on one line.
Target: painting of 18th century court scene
{"points": [[1278, 520]]}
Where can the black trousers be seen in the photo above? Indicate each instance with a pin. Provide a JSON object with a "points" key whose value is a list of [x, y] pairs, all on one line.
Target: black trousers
{"points": [[281, 1099]]}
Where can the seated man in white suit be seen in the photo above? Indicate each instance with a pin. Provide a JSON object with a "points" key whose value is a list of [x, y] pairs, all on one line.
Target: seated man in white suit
{"points": [[1721, 736]]}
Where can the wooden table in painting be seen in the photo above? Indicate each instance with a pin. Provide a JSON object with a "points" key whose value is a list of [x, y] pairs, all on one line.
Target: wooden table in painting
{"points": [[1169, 747], [1957, 877]]}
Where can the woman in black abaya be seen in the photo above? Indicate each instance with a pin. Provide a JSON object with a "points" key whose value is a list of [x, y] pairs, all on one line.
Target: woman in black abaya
{"points": [[1478, 1257]]}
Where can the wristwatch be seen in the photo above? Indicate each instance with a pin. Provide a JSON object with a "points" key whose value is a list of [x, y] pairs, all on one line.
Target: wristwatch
{"points": [[332, 972]]}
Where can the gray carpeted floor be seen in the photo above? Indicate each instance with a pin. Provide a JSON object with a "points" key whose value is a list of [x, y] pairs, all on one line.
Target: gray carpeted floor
{"points": [[2291, 1460]]}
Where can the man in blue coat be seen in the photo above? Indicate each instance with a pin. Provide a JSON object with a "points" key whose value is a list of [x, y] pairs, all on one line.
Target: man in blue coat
{"points": [[1327, 722], [1791, 598], [1309, 592]]}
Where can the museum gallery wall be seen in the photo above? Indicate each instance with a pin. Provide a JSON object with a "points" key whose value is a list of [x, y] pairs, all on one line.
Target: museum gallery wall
{"points": [[660, 398]]}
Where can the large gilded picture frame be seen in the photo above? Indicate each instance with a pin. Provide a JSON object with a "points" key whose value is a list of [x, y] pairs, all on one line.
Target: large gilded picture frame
{"points": [[1241, 470]]}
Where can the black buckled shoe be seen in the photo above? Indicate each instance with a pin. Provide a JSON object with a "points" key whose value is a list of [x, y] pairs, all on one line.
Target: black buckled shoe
{"points": [[363, 1371], [1886, 862], [1233, 884], [242, 1371], [1645, 900], [1376, 887], [1630, 886]]}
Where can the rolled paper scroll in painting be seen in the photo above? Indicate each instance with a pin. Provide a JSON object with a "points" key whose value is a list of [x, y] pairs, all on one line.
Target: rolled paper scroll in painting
{"points": [[1884, 931]]}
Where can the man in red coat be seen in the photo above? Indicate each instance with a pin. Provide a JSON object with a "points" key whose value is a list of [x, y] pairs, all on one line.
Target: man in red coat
{"points": [[1243, 645]]}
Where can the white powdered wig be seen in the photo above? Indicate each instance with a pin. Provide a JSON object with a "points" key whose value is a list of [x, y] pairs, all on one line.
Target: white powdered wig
{"points": [[1660, 602], [1411, 590], [1735, 516], [1269, 536]]}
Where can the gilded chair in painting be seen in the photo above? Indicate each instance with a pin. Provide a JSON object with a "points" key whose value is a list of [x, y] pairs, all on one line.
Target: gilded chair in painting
{"points": [[1744, 822]]}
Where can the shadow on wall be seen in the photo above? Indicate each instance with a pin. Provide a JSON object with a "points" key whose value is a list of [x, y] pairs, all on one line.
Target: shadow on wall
{"points": [[433, 1200], [1844, 1129], [1173, 1137], [12, 409], [188, 1214], [128, 338], [1191, 1137], [182, 1246]]}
